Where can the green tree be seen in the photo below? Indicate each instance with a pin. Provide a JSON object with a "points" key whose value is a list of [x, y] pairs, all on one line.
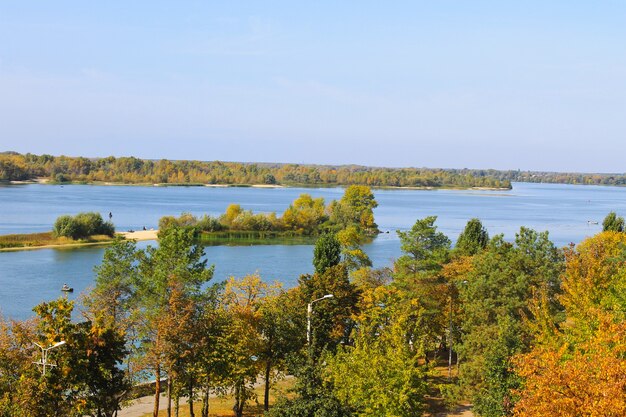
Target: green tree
{"points": [[418, 272], [502, 284], [175, 267], [612, 222], [382, 373], [425, 250], [115, 280], [332, 319], [473, 239], [327, 253]]}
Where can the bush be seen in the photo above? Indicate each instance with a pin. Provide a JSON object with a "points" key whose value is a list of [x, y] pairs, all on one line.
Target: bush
{"points": [[209, 224], [82, 226], [65, 226]]}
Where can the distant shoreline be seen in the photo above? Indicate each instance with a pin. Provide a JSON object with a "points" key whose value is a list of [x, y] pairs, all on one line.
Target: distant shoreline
{"points": [[268, 186]]}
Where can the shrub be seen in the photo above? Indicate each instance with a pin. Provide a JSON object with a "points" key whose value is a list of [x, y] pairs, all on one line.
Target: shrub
{"points": [[209, 224], [82, 226], [65, 226]]}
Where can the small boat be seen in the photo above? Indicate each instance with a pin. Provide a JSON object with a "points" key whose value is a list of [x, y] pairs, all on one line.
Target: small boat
{"points": [[67, 288]]}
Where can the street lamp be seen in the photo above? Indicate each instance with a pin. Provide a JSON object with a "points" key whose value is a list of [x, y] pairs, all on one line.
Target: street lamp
{"points": [[308, 316], [44, 355]]}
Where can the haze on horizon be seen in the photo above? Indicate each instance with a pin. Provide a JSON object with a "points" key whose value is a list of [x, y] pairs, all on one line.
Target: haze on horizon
{"points": [[482, 84]]}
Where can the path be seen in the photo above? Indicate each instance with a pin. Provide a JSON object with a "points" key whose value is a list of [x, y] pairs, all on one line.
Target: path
{"points": [[144, 405]]}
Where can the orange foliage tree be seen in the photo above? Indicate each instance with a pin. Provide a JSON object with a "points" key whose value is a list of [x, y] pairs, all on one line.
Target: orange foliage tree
{"points": [[578, 367]]}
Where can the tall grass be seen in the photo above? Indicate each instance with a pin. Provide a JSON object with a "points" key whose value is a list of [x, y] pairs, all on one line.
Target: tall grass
{"points": [[43, 239]]}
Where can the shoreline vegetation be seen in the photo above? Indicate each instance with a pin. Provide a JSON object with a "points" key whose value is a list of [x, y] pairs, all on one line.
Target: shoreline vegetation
{"points": [[135, 171], [43, 180], [25, 241], [352, 217], [28, 168]]}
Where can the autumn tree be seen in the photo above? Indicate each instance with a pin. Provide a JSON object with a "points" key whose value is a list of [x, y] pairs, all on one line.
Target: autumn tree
{"points": [[352, 255], [242, 300], [356, 207], [16, 357], [305, 214], [578, 366]]}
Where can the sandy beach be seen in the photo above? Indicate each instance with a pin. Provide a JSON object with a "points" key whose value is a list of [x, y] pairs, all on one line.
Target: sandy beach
{"points": [[140, 235]]}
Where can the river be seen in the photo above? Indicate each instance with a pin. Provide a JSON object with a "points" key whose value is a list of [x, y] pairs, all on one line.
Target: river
{"points": [[29, 277]]}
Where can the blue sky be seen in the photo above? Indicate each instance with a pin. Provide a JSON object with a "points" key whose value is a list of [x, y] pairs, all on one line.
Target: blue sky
{"points": [[483, 84]]}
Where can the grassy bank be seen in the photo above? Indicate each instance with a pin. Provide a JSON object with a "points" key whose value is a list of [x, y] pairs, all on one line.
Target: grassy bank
{"points": [[254, 238], [34, 240]]}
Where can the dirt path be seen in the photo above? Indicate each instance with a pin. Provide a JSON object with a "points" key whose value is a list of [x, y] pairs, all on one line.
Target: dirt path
{"points": [[144, 405], [463, 411]]}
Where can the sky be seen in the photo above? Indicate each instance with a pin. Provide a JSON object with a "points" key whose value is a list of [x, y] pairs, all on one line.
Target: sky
{"points": [[532, 85]]}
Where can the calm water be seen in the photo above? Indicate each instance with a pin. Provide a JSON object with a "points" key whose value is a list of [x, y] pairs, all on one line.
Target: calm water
{"points": [[29, 277]]}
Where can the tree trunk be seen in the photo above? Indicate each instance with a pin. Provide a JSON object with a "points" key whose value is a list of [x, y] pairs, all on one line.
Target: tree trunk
{"points": [[157, 389], [169, 396], [176, 405], [266, 398], [239, 403], [191, 414], [205, 402]]}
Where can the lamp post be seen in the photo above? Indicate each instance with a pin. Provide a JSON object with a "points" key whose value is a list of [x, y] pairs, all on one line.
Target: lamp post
{"points": [[308, 316], [44, 355]]}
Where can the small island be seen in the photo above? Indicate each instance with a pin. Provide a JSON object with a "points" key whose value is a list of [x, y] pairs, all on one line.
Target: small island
{"points": [[80, 230], [305, 219]]}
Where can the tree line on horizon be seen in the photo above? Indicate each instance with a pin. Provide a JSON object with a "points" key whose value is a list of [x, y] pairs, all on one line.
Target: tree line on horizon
{"points": [[131, 170], [526, 329]]}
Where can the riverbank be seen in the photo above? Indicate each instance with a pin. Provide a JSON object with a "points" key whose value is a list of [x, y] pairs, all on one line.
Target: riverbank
{"points": [[252, 185], [42, 240]]}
